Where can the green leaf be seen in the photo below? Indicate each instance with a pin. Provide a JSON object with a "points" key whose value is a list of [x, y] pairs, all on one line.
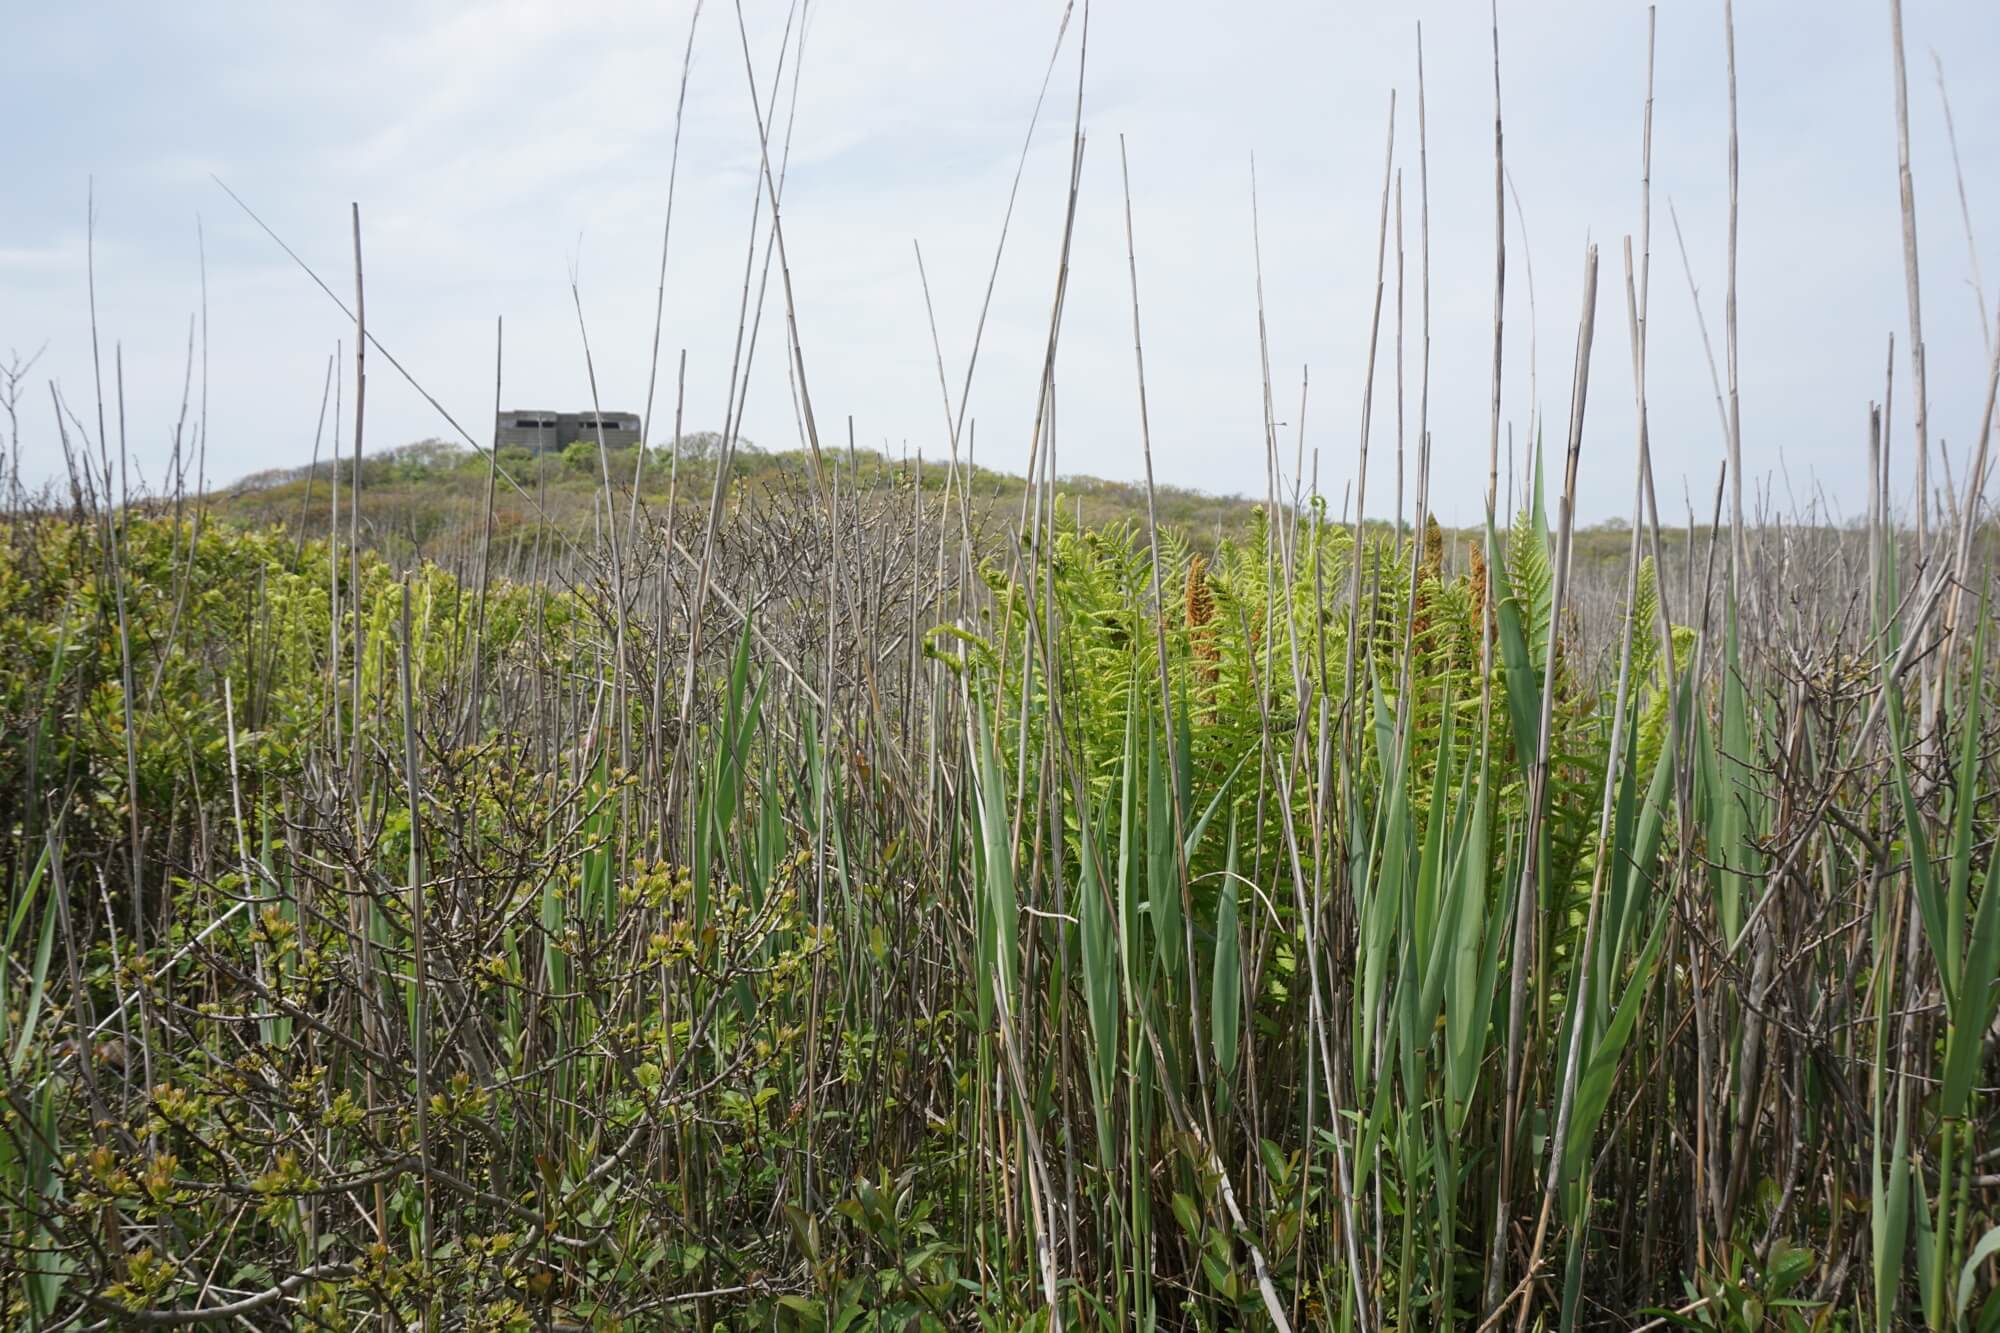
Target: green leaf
{"points": [[38, 977], [1593, 1089], [1788, 1266], [1972, 1012], [1187, 1215], [1988, 1246], [1226, 989], [1163, 882]]}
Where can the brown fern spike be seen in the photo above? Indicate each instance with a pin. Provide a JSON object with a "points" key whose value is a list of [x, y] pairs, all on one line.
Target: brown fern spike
{"points": [[1476, 573], [1201, 618], [1430, 573]]}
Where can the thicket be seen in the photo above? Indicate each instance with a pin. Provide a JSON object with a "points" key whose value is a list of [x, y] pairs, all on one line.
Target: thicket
{"points": [[1036, 944]]}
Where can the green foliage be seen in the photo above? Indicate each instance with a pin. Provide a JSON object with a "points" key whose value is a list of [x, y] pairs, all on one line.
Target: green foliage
{"points": [[1145, 936]]}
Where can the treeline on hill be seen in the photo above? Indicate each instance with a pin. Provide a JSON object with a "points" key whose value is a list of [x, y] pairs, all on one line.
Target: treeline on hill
{"points": [[834, 918], [433, 493]]}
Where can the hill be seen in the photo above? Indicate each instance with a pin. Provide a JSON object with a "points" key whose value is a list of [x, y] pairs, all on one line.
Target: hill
{"points": [[428, 499]]}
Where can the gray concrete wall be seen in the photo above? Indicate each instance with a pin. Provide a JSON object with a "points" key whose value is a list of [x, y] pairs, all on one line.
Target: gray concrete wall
{"points": [[620, 428], [559, 430], [511, 433]]}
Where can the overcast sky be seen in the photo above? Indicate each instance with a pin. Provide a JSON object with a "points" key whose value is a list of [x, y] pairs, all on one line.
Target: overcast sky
{"points": [[494, 149]]}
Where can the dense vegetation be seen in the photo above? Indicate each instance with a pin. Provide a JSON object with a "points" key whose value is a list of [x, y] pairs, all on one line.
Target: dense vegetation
{"points": [[1114, 933]]}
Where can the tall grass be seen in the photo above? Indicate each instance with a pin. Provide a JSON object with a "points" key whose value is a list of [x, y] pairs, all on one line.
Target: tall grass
{"points": [[1175, 999]]}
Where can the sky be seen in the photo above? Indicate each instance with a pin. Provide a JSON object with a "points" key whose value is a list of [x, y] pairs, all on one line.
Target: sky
{"points": [[497, 151]]}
